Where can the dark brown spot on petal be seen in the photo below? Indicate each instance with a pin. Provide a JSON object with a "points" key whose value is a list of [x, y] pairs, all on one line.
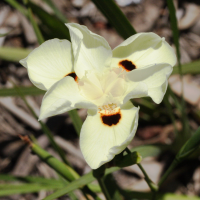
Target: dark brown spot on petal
{"points": [[111, 119], [73, 75], [127, 65]]}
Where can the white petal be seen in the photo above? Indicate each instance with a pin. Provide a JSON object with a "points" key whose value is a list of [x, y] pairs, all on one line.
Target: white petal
{"points": [[155, 77], [135, 90], [61, 97], [91, 51], [49, 63], [143, 49], [100, 142]]}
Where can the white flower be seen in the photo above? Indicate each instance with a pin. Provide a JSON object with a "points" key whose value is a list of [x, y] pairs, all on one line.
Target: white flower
{"points": [[88, 74]]}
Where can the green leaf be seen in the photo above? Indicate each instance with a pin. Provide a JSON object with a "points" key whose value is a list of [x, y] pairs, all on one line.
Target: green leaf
{"points": [[132, 195], [31, 179], [145, 151], [188, 68], [51, 22], [112, 187], [9, 189], [31, 90], [64, 170], [174, 26], [18, 7], [116, 17], [79, 183], [44, 128], [13, 54], [177, 197], [57, 12], [150, 150], [190, 146], [34, 24]]}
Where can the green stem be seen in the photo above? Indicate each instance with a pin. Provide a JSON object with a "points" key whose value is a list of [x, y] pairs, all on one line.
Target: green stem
{"points": [[103, 188], [150, 183], [169, 170]]}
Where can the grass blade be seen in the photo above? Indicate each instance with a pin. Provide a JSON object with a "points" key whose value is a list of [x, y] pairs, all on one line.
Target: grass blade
{"points": [[34, 24], [190, 146], [57, 12], [31, 90], [31, 179], [86, 179], [18, 7], [188, 68], [174, 26], [44, 128], [9, 189], [116, 17], [50, 22], [13, 54]]}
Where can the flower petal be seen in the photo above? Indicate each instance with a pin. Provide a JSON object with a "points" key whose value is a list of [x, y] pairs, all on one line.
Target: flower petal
{"points": [[155, 77], [135, 90], [61, 97], [141, 50], [49, 63], [91, 51], [102, 137]]}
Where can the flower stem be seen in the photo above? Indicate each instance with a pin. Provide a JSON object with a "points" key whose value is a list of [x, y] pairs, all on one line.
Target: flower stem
{"points": [[169, 170], [150, 183], [103, 188]]}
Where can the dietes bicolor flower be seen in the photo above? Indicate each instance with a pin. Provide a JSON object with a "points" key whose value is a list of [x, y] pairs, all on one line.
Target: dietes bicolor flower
{"points": [[86, 73]]}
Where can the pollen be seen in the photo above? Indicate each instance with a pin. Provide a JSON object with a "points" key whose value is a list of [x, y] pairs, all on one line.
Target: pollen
{"points": [[73, 75], [127, 65]]}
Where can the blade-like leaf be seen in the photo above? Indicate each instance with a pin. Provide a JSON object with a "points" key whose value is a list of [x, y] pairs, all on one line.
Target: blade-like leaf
{"points": [[65, 171], [116, 17], [190, 146], [81, 182], [147, 195], [10, 189], [150, 150], [31, 179], [18, 7], [34, 23], [54, 25], [174, 26], [189, 68], [32, 90], [57, 12], [13, 54]]}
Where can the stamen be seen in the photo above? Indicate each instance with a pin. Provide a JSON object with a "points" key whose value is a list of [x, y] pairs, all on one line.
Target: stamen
{"points": [[73, 75], [127, 65]]}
